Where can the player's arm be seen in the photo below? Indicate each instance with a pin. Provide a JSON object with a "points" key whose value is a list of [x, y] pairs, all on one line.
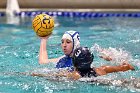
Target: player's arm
{"points": [[58, 74], [43, 55], [39, 75], [111, 69], [70, 75], [107, 58], [73, 75]]}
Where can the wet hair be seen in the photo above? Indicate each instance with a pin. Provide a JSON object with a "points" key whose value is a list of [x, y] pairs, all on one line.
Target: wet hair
{"points": [[82, 58]]}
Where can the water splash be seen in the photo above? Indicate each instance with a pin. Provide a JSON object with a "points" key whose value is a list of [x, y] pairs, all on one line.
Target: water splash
{"points": [[118, 56], [132, 84]]}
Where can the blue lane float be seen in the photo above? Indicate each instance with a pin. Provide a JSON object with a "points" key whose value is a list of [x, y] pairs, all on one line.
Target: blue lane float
{"points": [[76, 14]]}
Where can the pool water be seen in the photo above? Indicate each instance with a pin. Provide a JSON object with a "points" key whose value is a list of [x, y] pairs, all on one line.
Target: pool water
{"points": [[19, 48]]}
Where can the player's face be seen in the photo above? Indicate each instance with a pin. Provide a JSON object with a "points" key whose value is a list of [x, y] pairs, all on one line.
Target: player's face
{"points": [[67, 46]]}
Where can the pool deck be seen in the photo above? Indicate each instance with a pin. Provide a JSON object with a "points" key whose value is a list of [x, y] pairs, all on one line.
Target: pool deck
{"points": [[76, 4], [77, 10]]}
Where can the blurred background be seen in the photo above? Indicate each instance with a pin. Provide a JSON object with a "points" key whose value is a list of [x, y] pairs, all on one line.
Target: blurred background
{"points": [[80, 4]]}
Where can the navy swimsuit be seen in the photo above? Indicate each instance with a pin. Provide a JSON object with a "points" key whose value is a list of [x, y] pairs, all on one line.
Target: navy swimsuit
{"points": [[88, 73]]}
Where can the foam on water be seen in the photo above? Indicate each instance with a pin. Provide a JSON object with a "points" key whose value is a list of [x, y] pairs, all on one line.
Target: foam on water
{"points": [[118, 56], [131, 83]]}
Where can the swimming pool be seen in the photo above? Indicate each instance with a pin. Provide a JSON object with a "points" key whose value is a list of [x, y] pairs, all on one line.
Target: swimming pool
{"points": [[19, 48]]}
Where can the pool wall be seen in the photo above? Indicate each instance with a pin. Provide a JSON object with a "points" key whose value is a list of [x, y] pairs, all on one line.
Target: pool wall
{"points": [[92, 4]]}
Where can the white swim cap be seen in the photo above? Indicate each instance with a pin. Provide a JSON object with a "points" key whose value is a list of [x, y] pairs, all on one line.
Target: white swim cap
{"points": [[74, 37]]}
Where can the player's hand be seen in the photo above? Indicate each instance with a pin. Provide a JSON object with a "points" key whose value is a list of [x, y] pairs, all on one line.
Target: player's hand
{"points": [[107, 58], [46, 37]]}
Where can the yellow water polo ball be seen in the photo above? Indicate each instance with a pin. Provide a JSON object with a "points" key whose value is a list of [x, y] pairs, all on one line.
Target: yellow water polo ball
{"points": [[43, 25]]}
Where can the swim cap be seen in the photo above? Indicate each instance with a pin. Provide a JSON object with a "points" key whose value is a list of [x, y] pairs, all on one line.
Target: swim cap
{"points": [[82, 58], [74, 37]]}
